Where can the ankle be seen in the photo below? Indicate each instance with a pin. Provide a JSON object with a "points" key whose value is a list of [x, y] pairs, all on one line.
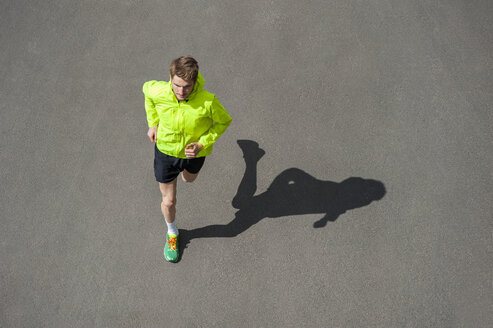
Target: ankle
{"points": [[172, 229]]}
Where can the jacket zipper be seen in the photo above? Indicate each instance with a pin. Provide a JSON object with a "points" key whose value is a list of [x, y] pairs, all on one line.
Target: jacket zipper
{"points": [[177, 122]]}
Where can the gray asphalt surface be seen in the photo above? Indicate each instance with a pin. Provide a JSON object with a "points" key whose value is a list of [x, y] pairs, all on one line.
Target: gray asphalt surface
{"points": [[393, 97]]}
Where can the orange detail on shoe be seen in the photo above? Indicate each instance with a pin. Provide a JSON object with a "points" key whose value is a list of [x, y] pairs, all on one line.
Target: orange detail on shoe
{"points": [[172, 243]]}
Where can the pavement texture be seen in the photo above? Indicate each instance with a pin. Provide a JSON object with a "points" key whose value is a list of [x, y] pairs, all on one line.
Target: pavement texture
{"points": [[353, 188]]}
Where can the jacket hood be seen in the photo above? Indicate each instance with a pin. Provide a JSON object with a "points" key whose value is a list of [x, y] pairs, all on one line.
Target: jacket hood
{"points": [[199, 85]]}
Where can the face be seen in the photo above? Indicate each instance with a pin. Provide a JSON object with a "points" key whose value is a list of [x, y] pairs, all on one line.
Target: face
{"points": [[181, 87]]}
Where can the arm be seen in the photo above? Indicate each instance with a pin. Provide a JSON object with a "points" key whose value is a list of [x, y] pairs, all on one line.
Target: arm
{"points": [[152, 116], [221, 120]]}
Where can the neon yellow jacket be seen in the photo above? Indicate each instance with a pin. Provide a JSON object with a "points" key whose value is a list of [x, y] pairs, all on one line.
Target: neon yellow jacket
{"points": [[199, 118]]}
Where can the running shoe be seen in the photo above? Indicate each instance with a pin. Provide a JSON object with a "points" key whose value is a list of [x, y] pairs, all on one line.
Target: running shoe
{"points": [[171, 248]]}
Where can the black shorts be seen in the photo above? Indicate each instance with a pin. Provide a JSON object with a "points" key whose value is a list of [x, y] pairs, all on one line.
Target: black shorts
{"points": [[167, 168]]}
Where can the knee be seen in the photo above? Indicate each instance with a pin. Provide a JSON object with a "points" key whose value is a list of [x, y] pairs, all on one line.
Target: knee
{"points": [[169, 202], [188, 177]]}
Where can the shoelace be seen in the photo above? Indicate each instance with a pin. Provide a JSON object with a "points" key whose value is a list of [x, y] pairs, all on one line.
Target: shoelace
{"points": [[172, 243]]}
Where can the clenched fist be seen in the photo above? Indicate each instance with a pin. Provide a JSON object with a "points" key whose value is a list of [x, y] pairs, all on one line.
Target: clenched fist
{"points": [[193, 149]]}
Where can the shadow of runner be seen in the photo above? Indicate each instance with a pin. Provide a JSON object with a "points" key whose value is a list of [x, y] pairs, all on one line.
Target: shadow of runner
{"points": [[293, 192]]}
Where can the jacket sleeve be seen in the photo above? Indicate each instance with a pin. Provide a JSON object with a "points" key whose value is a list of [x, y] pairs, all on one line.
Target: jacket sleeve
{"points": [[152, 116], [221, 122]]}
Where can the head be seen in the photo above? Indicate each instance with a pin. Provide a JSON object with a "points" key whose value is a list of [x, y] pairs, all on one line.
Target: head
{"points": [[357, 192], [183, 74]]}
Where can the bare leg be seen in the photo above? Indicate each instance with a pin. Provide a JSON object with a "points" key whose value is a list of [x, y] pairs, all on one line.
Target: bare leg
{"points": [[168, 192], [168, 204], [188, 177]]}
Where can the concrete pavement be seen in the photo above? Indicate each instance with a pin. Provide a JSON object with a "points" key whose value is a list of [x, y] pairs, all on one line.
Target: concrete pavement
{"points": [[371, 206]]}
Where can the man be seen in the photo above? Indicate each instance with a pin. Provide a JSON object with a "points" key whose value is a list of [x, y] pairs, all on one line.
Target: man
{"points": [[184, 121]]}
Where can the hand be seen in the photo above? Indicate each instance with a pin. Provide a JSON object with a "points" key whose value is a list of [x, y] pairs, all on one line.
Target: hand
{"points": [[193, 149], [152, 134]]}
